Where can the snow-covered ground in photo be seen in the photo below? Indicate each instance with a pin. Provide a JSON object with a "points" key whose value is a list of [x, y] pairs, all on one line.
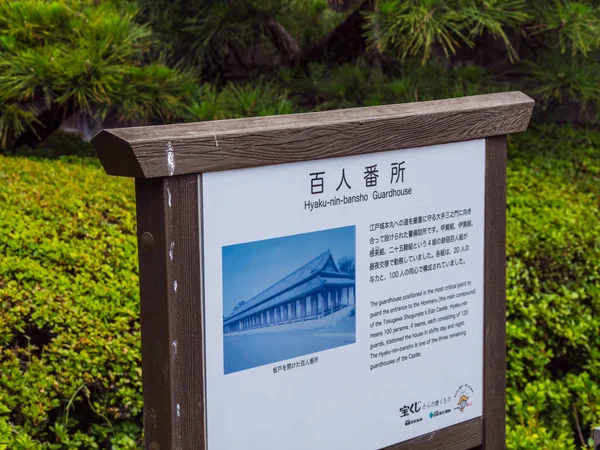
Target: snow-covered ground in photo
{"points": [[246, 350]]}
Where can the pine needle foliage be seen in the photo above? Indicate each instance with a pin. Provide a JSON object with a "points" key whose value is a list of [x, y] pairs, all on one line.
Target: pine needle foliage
{"points": [[73, 55], [415, 27], [359, 84], [551, 49], [497, 18], [213, 35], [209, 32], [571, 26], [559, 79], [235, 101]]}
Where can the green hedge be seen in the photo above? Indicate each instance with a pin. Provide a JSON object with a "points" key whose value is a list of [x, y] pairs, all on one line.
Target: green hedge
{"points": [[70, 372], [553, 288]]}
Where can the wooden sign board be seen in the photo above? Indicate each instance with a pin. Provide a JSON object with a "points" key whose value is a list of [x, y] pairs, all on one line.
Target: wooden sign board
{"points": [[324, 280]]}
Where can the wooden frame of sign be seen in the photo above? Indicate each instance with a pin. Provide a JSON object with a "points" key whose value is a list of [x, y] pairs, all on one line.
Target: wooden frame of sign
{"points": [[165, 161]]}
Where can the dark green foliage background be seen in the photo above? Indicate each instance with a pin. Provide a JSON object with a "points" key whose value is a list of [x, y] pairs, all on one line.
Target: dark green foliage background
{"points": [[70, 372], [140, 61]]}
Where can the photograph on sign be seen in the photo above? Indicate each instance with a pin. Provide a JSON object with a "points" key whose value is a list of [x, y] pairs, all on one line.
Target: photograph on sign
{"points": [[285, 313], [344, 298]]}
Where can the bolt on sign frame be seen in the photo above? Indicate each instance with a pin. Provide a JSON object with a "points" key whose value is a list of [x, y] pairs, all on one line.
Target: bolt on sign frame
{"points": [[166, 162]]}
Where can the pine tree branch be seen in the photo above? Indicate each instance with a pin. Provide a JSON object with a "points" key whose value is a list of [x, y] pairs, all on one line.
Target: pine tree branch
{"points": [[283, 40], [345, 42]]}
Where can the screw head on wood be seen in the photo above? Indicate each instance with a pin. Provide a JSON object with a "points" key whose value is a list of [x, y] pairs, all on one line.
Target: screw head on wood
{"points": [[148, 244]]}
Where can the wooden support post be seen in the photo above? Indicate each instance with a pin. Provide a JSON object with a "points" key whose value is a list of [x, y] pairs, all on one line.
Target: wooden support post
{"points": [[171, 312], [494, 297]]}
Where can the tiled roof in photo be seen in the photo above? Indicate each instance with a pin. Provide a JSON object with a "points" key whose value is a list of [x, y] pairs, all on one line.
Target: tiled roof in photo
{"points": [[312, 276]]}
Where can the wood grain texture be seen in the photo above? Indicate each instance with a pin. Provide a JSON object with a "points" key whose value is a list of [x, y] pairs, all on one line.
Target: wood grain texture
{"points": [[596, 437], [494, 355], [166, 150], [171, 313], [462, 436]]}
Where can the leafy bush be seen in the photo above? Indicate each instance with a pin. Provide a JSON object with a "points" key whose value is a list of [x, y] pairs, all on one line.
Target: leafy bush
{"points": [[553, 288], [69, 334], [59, 143], [70, 373]]}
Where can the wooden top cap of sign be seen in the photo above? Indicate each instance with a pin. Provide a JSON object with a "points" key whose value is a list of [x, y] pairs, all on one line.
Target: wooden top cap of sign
{"points": [[166, 150]]}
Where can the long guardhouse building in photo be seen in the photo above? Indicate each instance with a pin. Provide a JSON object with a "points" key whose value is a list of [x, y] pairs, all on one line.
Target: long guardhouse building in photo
{"points": [[312, 292]]}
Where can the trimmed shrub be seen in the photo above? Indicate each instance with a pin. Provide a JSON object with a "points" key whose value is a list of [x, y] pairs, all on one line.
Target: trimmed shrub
{"points": [[70, 365], [553, 288]]}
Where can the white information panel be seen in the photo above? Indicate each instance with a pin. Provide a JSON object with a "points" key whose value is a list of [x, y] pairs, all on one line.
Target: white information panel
{"points": [[344, 299]]}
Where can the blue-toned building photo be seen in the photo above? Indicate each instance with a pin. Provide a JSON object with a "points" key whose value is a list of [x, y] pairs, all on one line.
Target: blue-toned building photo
{"points": [[310, 309], [312, 292]]}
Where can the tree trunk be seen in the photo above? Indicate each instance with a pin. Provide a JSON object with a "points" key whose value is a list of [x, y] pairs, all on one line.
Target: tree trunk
{"points": [[283, 41], [50, 120], [346, 42]]}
